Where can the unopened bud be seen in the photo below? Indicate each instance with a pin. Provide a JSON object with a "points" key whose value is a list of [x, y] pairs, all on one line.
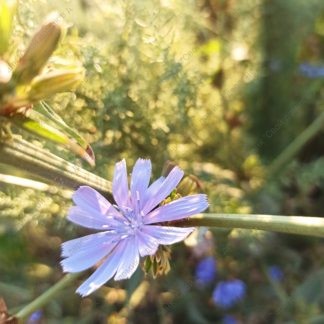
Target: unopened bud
{"points": [[51, 83], [167, 167], [174, 195], [7, 11], [39, 50], [190, 184]]}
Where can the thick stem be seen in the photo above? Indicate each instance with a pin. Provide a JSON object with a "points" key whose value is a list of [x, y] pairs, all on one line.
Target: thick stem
{"points": [[48, 295], [312, 226], [41, 163]]}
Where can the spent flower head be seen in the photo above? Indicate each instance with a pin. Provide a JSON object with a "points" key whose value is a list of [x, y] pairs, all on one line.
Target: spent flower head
{"points": [[132, 228]]}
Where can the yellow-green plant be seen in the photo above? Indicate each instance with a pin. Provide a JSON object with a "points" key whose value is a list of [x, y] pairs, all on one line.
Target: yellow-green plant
{"points": [[33, 80]]}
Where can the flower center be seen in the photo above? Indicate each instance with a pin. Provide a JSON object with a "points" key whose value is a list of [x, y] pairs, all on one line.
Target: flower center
{"points": [[132, 221]]}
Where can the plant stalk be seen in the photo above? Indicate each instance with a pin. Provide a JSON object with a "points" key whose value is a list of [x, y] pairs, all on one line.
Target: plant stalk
{"points": [[295, 146], [302, 225], [42, 163], [313, 226], [44, 298]]}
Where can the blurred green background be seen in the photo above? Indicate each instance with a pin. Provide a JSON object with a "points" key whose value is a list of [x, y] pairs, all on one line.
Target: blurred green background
{"points": [[222, 87]]}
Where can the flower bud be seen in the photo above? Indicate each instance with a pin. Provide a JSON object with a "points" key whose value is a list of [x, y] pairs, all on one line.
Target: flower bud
{"points": [[174, 195], [39, 50], [7, 11], [189, 185], [167, 167], [51, 83]]}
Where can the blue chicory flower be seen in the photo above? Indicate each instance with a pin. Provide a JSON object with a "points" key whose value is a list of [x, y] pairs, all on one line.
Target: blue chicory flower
{"points": [[35, 317], [134, 227], [229, 319], [228, 293], [311, 71], [205, 271], [275, 273]]}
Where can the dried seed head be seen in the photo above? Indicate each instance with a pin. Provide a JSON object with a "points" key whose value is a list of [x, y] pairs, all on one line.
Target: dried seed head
{"points": [[158, 264]]}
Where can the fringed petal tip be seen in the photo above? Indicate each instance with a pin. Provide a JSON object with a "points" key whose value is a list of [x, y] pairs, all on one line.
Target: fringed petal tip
{"points": [[205, 202], [85, 293], [143, 160], [67, 268], [67, 248], [64, 252]]}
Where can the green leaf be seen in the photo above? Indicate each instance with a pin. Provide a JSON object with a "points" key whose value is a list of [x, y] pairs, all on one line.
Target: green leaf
{"points": [[59, 123], [39, 128], [36, 125], [49, 113]]}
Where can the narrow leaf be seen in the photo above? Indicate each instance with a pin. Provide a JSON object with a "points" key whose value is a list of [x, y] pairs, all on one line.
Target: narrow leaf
{"points": [[49, 113], [42, 129]]}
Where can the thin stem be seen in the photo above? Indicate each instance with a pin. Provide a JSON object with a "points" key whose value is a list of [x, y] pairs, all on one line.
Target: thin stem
{"points": [[42, 163], [302, 225], [295, 146], [47, 296], [37, 185]]}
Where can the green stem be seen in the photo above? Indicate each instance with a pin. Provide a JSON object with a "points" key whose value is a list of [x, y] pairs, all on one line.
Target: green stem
{"points": [[302, 225], [46, 296], [313, 226], [41, 163], [295, 146], [37, 185]]}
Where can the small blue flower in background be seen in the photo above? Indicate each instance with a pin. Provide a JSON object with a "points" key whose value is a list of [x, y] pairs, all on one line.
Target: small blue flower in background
{"points": [[35, 317], [205, 271], [275, 273], [228, 293], [229, 319], [134, 227], [311, 71]]}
